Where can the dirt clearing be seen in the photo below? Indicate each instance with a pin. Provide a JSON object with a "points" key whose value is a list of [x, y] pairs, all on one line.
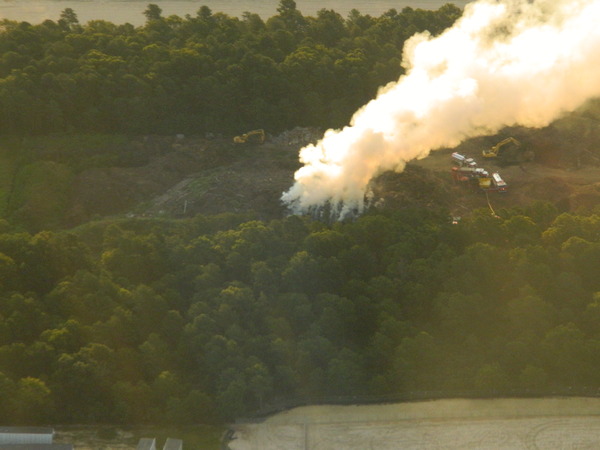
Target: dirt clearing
{"points": [[198, 176], [553, 423]]}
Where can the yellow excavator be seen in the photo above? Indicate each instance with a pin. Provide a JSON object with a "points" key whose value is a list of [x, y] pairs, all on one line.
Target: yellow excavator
{"points": [[251, 137], [509, 151]]}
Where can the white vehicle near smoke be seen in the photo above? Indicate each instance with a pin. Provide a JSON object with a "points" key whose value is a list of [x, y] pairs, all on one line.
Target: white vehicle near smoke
{"points": [[462, 160], [498, 183]]}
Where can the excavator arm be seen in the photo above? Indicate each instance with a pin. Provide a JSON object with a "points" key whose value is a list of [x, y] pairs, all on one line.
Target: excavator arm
{"points": [[251, 137], [496, 150]]}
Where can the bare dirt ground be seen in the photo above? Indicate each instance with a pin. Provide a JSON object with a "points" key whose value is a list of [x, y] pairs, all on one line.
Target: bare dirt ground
{"points": [[199, 176], [553, 423], [564, 182], [196, 176]]}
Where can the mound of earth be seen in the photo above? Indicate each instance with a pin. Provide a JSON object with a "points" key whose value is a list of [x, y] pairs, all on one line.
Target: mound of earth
{"points": [[195, 176], [252, 179]]}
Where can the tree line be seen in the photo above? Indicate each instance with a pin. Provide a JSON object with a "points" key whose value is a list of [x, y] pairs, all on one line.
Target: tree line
{"points": [[210, 318], [204, 73]]}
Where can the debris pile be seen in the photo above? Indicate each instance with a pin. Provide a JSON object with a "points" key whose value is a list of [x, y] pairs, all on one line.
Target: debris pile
{"points": [[298, 137]]}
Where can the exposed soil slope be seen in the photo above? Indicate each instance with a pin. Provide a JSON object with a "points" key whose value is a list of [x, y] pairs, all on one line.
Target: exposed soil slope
{"points": [[196, 175], [561, 175], [190, 177]]}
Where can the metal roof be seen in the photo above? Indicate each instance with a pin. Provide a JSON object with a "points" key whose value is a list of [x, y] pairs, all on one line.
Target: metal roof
{"points": [[146, 444], [173, 444], [26, 430], [36, 447]]}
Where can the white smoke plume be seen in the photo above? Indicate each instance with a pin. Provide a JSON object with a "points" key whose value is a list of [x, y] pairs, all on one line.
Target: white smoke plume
{"points": [[505, 62]]}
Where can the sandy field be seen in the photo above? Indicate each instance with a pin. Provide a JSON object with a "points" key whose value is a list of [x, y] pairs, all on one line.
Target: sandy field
{"points": [[554, 423]]}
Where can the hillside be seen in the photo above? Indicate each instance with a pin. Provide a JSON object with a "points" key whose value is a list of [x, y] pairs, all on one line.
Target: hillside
{"points": [[69, 181], [209, 177], [198, 176], [54, 186], [193, 176]]}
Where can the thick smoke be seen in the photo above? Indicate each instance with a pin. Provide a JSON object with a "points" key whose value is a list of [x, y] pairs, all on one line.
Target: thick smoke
{"points": [[505, 62]]}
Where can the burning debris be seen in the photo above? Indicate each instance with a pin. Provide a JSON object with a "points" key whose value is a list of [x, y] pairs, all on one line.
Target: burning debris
{"points": [[504, 63]]}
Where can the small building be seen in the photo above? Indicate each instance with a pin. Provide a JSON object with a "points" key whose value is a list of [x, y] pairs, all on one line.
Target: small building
{"points": [[36, 447], [173, 444], [26, 435], [146, 444]]}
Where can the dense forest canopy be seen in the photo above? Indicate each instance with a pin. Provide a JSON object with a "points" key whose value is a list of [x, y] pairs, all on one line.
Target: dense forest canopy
{"points": [[206, 319], [204, 73]]}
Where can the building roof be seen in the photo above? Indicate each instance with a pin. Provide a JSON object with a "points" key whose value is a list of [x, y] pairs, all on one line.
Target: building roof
{"points": [[173, 444], [36, 447], [26, 430], [146, 444]]}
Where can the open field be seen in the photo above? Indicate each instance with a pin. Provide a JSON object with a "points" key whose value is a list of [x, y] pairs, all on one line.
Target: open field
{"points": [[553, 423]]}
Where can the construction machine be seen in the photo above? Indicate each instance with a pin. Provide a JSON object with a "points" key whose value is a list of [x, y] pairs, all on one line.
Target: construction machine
{"points": [[251, 137], [509, 151]]}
